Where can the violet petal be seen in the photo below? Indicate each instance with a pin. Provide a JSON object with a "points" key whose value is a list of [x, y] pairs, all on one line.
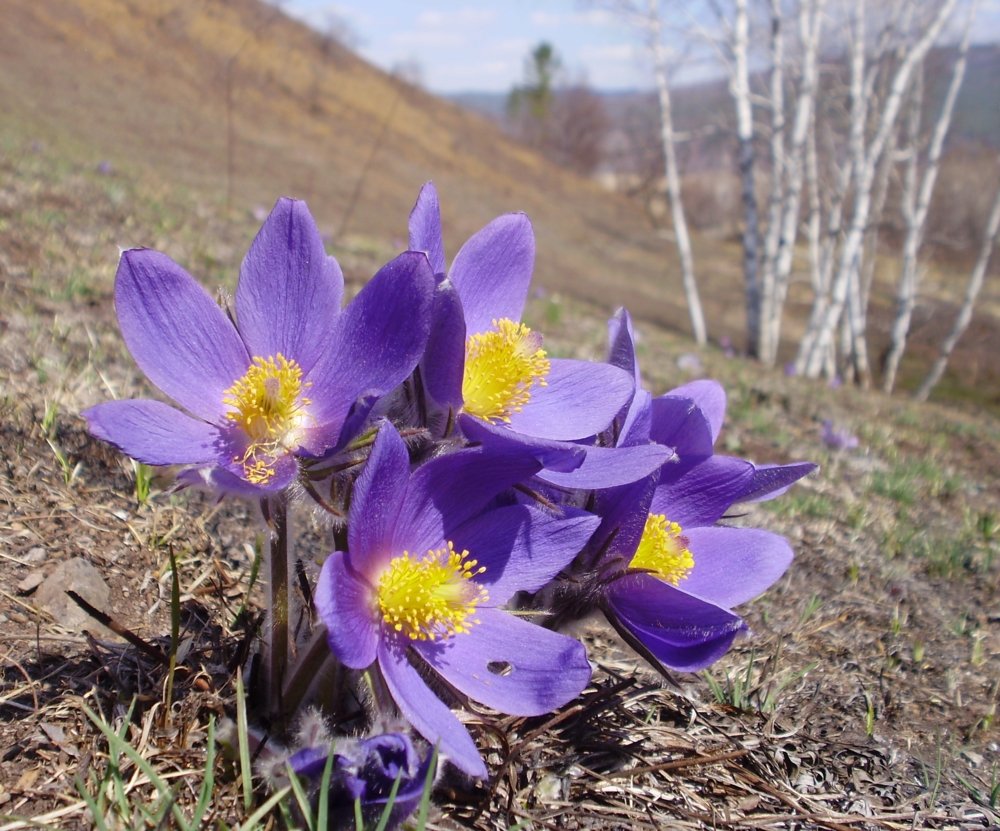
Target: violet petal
{"points": [[446, 491], [425, 711], [511, 665], [708, 396], [579, 400], [682, 631], [521, 548], [770, 481], [377, 340], [425, 227], [492, 271], [154, 433], [177, 334], [344, 603], [289, 291], [734, 565], [606, 467], [499, 439], [375, 502], [443, 364], [703, 494]]}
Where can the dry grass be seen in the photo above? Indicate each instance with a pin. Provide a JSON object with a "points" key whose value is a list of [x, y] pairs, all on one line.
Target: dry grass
{"points": [[865, 700]]}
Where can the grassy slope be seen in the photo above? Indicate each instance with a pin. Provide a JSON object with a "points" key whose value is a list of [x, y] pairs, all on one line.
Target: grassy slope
{"points": [[144, 84], [886, 624]]}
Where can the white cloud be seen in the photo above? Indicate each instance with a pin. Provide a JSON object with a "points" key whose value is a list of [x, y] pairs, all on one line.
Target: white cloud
{"points": [[427, 38], [591, 17], [611, 52], [466, 17]]}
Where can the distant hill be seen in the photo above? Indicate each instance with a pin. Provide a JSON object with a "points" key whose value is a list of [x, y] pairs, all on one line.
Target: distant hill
{"points": [[976, 118]]}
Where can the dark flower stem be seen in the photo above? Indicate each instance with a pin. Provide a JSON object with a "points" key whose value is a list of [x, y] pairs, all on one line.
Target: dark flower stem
{"points": [[275, 652], [312, 662]]}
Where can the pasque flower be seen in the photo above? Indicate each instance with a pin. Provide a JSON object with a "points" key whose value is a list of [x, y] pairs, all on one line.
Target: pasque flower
{"points": [[365, 770], [482, 363], [431, 559], [661, 568], [294, 376]]}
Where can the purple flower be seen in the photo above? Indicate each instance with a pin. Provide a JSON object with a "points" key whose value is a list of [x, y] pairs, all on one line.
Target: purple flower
{"points": [[365, 770], [295, 376], [663, 572], [667, 577], [837, 438], [422, 582], [689, 419], [482, 362]]}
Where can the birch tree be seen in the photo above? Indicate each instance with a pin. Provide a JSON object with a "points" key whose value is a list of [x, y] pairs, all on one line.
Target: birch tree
{"points": [[658, 51], [649, 22], [819, 338], [789, 166], [915, 209], [975, 285], [739, 87]]}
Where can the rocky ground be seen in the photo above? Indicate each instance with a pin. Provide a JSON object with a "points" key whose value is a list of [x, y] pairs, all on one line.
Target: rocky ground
{"points": [[866, 697]]}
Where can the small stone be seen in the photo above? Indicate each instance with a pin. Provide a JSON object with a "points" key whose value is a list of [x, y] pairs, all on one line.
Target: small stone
{"points": [[35, 555], [31, 582], [81, 577]]}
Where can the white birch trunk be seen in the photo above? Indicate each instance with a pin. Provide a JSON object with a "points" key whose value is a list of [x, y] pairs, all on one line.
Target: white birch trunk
{"points": [[810, 26], [814, 221], [767, 346], [916, 209], [815, 354], [851, 249], [976, 280], [740, 90], [681, 234]]}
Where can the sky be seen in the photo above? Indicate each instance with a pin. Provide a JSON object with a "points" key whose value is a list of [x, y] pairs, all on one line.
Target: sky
{"points": [[464, 46]]}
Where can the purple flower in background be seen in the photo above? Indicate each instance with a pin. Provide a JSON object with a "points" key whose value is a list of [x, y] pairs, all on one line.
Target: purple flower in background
{"points": [[294, 376], [837, 438], [422, 582], [482, 362], [365, 770]]}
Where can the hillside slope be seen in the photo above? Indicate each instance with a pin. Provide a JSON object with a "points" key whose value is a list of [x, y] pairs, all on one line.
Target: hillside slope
{"points": [[240, 104], [145, 83]]}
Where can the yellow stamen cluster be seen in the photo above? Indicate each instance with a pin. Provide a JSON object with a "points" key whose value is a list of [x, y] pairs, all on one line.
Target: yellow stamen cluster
{"points": [[267, 404], [501, 367], [663, 550], [430, 598]]}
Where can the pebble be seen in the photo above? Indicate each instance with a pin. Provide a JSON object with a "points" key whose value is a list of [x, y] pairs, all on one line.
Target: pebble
{"points": [[83, 578], [31, 582], [35, 555]]}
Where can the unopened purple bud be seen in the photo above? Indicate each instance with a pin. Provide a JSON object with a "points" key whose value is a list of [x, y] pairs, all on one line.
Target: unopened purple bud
{"points": [[366, 770]]}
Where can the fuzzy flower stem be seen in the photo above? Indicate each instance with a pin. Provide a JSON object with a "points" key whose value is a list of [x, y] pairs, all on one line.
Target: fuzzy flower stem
{"points": [[279, 590], [311, 663]]}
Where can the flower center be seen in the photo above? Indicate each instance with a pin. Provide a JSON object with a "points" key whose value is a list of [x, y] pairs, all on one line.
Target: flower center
{"points": [[663, 550], [501, 367], [432, 597], [267, 403]]}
